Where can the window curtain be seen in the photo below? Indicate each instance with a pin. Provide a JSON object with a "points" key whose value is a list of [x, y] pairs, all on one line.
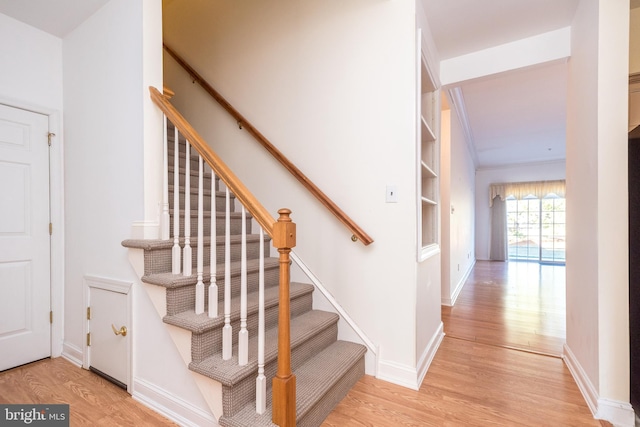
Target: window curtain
{"points": [[520, 190], [498, 246], [497, 196]]}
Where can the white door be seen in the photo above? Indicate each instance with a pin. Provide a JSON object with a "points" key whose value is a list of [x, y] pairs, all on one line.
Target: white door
{"points": [[25, 330], [110, 329]]}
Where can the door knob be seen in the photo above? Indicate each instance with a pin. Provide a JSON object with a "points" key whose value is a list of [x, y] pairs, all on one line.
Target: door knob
{"points": [[122, 331]]}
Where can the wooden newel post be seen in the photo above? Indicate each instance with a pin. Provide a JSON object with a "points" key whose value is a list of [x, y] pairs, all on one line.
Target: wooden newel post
{"points": [[284, 383]]}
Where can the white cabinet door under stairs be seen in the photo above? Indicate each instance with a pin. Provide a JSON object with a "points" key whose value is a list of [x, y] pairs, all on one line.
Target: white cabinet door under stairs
{"points": [[108, 346]]}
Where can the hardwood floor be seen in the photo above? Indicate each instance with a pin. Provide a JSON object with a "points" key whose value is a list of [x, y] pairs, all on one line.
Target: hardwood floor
{"points": [[471, 384], [511, 304], [480, 376], [474, 380], [92, 400]]}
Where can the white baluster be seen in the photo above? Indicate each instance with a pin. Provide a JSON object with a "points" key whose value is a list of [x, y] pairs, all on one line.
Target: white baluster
{"points": [[165, 220], [186, 257], [213, 263], [226, 330], [176, 251], [243, 335], [261, 380], [200, 255]]}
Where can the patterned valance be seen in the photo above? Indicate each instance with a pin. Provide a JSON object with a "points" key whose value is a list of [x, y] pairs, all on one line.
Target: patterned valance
{"points": [[520, 190]]}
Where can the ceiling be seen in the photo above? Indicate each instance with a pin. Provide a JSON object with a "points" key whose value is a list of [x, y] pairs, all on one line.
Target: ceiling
{"points": [[517, 117], [56, 17]]}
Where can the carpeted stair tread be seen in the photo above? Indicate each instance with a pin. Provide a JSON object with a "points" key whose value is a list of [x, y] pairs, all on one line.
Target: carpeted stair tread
{"points": [[199, 323], [194, 175], [315, 380], [206, 191], [220, 216], [152, 244], [228, 372], [169, 280]]}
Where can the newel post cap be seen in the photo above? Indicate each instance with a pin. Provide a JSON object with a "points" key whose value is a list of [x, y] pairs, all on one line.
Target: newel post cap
{"points": [[284, 230]]}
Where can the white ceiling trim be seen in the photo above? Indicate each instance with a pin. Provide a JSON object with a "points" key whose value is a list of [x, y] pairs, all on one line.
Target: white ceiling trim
{"points": [[521, 164], [543, 48], [457, 101]]}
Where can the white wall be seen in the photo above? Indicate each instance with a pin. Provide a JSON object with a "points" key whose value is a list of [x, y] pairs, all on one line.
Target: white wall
{"points": [[106, 124], [458, 209], [332, 84], [516, 173], [31, 71], [597, 249]]}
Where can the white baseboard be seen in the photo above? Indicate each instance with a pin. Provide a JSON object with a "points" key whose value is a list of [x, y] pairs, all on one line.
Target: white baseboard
{"points": [[171, 406], [145, 230], [411, 376], [620, 414], [450, 302], [72, 353], [397, 373], [429, 353]]}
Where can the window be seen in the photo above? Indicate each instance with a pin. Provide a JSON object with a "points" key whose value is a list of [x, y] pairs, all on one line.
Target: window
{"points": [[536, 229]]}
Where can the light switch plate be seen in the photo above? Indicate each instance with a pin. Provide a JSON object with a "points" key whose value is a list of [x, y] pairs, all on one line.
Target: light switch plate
{"points": [[392, 194]]}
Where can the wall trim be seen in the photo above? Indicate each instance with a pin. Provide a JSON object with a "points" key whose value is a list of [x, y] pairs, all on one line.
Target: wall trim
{"points": [[582, 380], [398, 373], [318, 284], [72, 353], [617, 413], [170, 405], [449, 302], [145, 230], [516, 165], [429, 353], [410, 376], [457, 100], [620, 414]]}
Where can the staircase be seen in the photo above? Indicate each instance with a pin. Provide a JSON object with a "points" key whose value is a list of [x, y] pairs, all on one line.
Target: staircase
{"points": [[325, 368]]}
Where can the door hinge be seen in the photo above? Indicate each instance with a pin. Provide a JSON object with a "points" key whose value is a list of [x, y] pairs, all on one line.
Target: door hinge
{"points": [[49, 136], [88, 313], [51, 317], [89, 339], [50, 229]]}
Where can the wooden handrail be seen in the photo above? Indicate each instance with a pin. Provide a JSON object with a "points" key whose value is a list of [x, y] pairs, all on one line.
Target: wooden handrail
{"points": [[241, 192], [358, 233]]}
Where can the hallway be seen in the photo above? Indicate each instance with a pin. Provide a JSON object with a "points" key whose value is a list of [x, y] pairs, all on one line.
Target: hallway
{"points": [[493, 366], [518, 305]]}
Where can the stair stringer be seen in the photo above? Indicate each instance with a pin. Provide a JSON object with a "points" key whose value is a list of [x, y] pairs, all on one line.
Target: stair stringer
{"points": [[210, 389]]}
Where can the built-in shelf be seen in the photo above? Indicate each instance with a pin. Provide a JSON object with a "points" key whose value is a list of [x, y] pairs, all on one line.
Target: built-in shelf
{"points": [[427, 133], [428, 153], [428, 201], [427, 171]]}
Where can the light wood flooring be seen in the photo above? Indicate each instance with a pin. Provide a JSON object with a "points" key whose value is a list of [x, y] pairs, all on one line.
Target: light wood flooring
{"points": [[511, 304], [474, 380], [92, 400], [493, 367]]}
